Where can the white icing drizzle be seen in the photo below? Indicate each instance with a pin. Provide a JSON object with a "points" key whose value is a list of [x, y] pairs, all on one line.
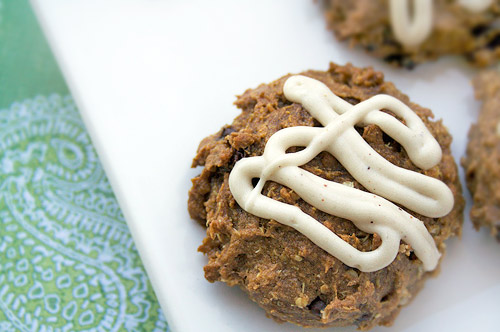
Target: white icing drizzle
{"points": [[476, 6], [368, 211], [411, 31]]}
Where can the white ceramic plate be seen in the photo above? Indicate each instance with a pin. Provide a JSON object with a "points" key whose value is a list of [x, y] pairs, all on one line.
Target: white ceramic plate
{"points": [[152, 78]]}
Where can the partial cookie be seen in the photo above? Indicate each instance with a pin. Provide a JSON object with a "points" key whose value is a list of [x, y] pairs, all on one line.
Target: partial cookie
{"points": [[482, 160], [455, 29], [281, 269]]}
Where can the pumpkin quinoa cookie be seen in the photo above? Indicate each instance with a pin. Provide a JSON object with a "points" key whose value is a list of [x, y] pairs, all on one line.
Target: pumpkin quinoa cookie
{"points": [[361, 275]]}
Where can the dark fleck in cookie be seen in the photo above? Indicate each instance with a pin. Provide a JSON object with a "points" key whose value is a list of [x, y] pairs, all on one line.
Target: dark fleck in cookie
{"points": [[482, 160], [281, 269], [454, 29]]}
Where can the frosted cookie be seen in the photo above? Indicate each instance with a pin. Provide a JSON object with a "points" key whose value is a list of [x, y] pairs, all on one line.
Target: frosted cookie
{"points": [[405, 36], [328, 199], [482, 160]]}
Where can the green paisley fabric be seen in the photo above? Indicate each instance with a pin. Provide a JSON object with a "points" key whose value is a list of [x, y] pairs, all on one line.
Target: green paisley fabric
{"points": [[67, 260]]}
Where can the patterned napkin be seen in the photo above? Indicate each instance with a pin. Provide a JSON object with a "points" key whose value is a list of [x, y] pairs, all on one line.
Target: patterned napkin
{"points": [[67, 260]]}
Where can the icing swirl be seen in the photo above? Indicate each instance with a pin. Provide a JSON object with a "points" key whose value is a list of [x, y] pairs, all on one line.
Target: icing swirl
{"points": [[370, 212], [411, 31]]}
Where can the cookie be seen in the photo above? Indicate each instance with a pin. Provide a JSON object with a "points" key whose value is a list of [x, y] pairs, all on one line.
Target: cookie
{"points": [[385, 29], [297, 217], [482, 160]]}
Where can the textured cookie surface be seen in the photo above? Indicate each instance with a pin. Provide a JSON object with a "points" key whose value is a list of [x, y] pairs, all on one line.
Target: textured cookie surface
{"points": [[278, 267], [482, 161], [456, 31]]}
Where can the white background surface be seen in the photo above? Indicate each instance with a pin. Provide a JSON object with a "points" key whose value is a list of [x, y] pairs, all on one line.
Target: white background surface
{"points": [[152, 78]]}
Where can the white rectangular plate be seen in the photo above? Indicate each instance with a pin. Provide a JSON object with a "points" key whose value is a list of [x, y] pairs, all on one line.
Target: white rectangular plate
{"points": [[152, 78]]}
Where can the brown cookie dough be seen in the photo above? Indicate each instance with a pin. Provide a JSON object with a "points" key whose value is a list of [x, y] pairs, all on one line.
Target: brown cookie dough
{"points": [[456, 31], [278, 267], [482, 160]]}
